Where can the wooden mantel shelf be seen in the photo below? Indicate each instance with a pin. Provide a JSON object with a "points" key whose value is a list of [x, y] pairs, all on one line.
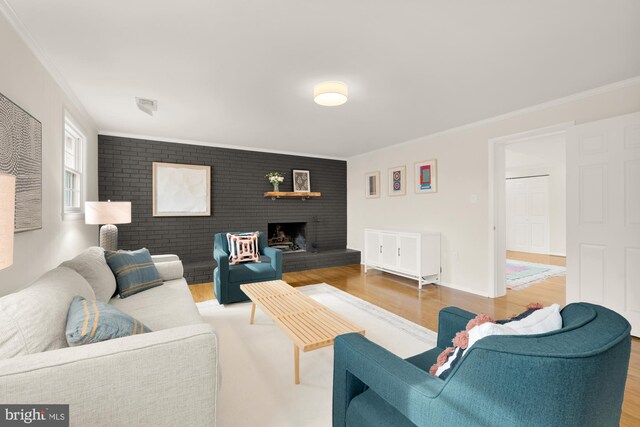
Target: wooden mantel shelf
{"points": [[291, 194]]}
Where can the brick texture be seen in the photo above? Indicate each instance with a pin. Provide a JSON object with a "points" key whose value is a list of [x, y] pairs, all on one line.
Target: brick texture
{"points": [[237, 187]]}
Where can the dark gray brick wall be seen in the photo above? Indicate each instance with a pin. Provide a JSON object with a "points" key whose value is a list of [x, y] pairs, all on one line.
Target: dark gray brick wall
{"points": [[237, 187]]}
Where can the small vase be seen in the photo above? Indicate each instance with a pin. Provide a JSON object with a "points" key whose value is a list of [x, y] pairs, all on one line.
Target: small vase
{"points": [[276, 187]]}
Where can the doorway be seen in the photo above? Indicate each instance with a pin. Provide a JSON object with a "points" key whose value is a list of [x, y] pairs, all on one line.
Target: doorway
{"points": [[527, 203], [535, 212]]}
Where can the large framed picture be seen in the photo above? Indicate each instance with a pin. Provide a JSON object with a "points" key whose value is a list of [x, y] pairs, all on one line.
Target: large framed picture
{"points": [[398, 181], [426, 176], [181, 190], [372, 185], [301, 182], [21, 156]]}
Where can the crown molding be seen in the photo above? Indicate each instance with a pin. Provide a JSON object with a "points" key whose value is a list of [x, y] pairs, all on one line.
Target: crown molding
{"points": [[538, 107], [17, 24], [215, 144]]}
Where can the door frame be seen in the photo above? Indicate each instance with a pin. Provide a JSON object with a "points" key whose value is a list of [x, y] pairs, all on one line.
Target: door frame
{"points": [[496, 286]]}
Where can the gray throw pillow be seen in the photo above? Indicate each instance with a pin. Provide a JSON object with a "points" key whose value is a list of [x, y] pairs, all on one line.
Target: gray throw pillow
{"points": [[91, 265], [90, 321]]}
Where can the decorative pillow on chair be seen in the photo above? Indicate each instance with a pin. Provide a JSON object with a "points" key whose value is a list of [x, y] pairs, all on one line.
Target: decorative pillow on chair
{"points": [[134, 271], [90, 321], [535, 320], [243, 247]]}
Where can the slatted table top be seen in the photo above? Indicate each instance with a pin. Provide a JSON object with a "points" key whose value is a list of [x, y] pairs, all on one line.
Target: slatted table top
{"points": [[309, 324]]}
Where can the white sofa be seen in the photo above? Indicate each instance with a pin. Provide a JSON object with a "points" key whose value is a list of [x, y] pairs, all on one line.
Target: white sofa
{"points": [[168, 377]]}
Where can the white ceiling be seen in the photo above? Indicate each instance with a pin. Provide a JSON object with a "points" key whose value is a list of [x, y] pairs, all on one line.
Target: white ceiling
{"points": [[242, 72]]}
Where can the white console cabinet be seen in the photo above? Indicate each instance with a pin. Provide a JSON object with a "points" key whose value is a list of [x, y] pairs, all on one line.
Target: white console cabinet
{"points": [[413, 255]]}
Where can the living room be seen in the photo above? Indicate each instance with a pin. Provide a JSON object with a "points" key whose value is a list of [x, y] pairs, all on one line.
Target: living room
{"points": [[293, 214]]}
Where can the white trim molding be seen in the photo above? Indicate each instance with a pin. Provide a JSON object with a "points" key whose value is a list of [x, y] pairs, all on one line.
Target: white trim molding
{"points": [[214, 144], [553, 103]]}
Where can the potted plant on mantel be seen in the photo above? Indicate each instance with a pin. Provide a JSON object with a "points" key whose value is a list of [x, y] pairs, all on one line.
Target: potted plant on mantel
{"points": [[275, 178]]}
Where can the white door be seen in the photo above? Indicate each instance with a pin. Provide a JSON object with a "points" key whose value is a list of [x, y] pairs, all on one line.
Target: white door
{"points": [[603, 215], [373, 248], [528, 214], [408, 254], [389, 250]]}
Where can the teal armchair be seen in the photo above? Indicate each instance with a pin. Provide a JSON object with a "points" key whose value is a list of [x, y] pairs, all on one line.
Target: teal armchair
{"points": [[571, 377], [228, 278]]}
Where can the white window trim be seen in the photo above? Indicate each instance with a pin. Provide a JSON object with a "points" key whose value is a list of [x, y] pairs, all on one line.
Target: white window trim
{"points": [[74, 214]]}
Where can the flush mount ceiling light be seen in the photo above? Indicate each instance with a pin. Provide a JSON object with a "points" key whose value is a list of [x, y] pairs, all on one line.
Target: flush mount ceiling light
{"points": [[147, 105], [330, 94]]}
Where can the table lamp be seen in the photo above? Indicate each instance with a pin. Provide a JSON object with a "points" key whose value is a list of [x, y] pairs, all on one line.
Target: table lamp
{"points": [[108, 213], [7, 216]]}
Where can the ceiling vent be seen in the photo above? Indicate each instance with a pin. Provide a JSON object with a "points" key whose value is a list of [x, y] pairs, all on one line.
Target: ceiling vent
{"points": [[147, 105]]}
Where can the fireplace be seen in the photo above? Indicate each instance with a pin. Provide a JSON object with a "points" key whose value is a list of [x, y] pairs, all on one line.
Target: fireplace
{"points": [[288, 236]]}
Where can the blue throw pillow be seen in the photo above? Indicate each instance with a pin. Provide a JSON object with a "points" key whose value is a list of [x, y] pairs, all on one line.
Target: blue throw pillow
{"points": [[134, 271], [90, 321]]}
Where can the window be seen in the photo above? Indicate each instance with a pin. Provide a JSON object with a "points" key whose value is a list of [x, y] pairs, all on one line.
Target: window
{"points": [[73, 180]]}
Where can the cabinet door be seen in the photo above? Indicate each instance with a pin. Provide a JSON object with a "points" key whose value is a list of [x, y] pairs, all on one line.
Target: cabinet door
{"points": [[389, 250], [373, 248], [408, 253]]}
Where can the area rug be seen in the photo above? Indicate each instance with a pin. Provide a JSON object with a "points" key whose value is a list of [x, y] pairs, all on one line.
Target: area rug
{"points": [[522, 274], [256, 361]]}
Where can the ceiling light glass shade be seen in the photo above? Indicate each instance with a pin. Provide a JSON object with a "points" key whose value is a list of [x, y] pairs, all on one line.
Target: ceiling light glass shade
{"points": [[107, 212], [330, 94], [7, 214]]}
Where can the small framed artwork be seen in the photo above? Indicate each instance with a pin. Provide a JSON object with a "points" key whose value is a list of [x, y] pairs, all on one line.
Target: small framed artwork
{"points": [[301, 182], [397, 181], [372, 185], [426, 176], [181, 190]]}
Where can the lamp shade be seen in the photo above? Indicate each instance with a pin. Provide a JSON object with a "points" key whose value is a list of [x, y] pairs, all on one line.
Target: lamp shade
{"points": [[7, 213], [107, 212], [330, 94]]}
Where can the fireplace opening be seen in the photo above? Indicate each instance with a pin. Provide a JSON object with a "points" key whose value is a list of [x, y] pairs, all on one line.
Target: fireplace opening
{"points": [[287, 236]]}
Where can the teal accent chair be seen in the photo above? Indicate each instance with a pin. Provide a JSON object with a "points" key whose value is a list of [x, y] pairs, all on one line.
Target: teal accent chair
{"points": [[228, 278], [571, 377]]}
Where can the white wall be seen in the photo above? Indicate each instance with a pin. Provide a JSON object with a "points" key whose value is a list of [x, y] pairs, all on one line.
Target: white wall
{"points": [[520, 163], [25, 81], [460, 208]]}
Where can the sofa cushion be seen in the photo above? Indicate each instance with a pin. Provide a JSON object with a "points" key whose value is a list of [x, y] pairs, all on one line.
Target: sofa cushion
{"points": [[34, 319], [135, 271], [164, 307], [90, 321], [91, 265], [169, 270], [255, 271]]}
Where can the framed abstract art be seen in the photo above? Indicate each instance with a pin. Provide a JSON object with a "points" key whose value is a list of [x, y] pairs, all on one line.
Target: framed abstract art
{"points": [[21, 156], [301, 181], [372, 185], [181, 190], [397, 181], [426, 176]]}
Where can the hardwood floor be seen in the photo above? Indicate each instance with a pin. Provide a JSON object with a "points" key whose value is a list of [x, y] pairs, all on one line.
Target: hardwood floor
{"points": [[401, 296]]}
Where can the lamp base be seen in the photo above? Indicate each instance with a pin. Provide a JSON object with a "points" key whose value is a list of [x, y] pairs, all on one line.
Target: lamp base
{"points": [[109, 237]]}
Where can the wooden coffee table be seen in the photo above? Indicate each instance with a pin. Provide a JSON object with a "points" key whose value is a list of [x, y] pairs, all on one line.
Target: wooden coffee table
{"points": [[309, 324]]}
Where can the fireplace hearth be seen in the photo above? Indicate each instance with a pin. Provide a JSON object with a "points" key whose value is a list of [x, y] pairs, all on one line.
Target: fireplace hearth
{"points": [[287, 236]]}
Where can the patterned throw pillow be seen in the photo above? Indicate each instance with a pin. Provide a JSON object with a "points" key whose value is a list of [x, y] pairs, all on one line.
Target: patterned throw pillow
{"points": [[535, 320], [134, 271], [90, 321], [243, 247]]}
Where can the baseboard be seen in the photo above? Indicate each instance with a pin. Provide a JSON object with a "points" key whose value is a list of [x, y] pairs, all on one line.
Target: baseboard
{"points": [[558, 254], [464, 289]]}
